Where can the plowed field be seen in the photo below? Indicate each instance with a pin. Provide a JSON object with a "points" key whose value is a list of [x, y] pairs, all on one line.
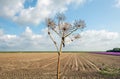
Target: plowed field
{"points": [[44, 65]]}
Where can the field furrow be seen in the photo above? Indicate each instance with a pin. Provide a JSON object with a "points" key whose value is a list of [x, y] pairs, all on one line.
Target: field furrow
{"points": [[44, 66]]}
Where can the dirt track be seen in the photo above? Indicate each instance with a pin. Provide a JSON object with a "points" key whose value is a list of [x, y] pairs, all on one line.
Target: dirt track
{"points": [[43, 66]]}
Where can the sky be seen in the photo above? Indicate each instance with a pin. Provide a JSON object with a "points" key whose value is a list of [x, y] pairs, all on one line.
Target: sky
{"points": [[23, 28]]}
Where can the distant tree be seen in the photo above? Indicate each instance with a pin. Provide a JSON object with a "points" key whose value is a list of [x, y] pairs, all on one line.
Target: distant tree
{"points": [[63, 30], [109, 51], [114, 50]]}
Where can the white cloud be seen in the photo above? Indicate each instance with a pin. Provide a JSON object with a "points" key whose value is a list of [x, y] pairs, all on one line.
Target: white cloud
{"points": [[9, 8], [25, 41], [96, 40], [7, 41], [14, 9], [117, 3], [1, 32], [90, 40]]}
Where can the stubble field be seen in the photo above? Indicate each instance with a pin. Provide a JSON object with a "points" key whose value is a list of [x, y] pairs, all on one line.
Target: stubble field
{"points": [[73, 66]]}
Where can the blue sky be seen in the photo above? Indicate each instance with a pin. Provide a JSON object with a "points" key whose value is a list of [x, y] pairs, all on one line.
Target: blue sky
{"points": [[23, 21]]}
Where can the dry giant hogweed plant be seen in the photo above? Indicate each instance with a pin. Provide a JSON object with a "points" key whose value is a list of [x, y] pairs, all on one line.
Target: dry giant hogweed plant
{"points": [[63, 30]]}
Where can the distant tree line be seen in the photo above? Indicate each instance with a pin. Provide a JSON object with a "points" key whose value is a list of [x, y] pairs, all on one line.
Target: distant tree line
{"points": [[114, 50]]}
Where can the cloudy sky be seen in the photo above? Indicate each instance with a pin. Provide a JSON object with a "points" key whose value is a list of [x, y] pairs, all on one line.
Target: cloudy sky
{"points": [[22, 26]]}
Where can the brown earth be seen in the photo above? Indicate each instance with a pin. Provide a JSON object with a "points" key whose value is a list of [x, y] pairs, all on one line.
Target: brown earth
{"points": [[44, 65]]}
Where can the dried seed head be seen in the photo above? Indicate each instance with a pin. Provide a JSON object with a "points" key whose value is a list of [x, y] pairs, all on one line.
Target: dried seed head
{"points": [[50, 23], [79, 24], [77, 36], [60, 16], [71, 39], [49, 33], [66, 26]]}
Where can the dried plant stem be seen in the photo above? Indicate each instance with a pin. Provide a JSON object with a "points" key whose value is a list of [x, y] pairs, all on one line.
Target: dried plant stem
{"points": [[58, 67], [59, 54], [62, 29]]}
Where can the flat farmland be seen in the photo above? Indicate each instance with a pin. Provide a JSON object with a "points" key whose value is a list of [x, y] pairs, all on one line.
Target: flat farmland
{"points": [[73, 66]]}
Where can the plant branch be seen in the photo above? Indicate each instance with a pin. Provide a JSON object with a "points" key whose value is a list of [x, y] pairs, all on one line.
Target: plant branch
{"points": [[59, 24], [56, 32], [53, 41], [71, 32]]}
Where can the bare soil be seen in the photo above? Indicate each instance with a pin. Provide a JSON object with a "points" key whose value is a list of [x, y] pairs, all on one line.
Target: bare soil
{"points": [[44, 65]]}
